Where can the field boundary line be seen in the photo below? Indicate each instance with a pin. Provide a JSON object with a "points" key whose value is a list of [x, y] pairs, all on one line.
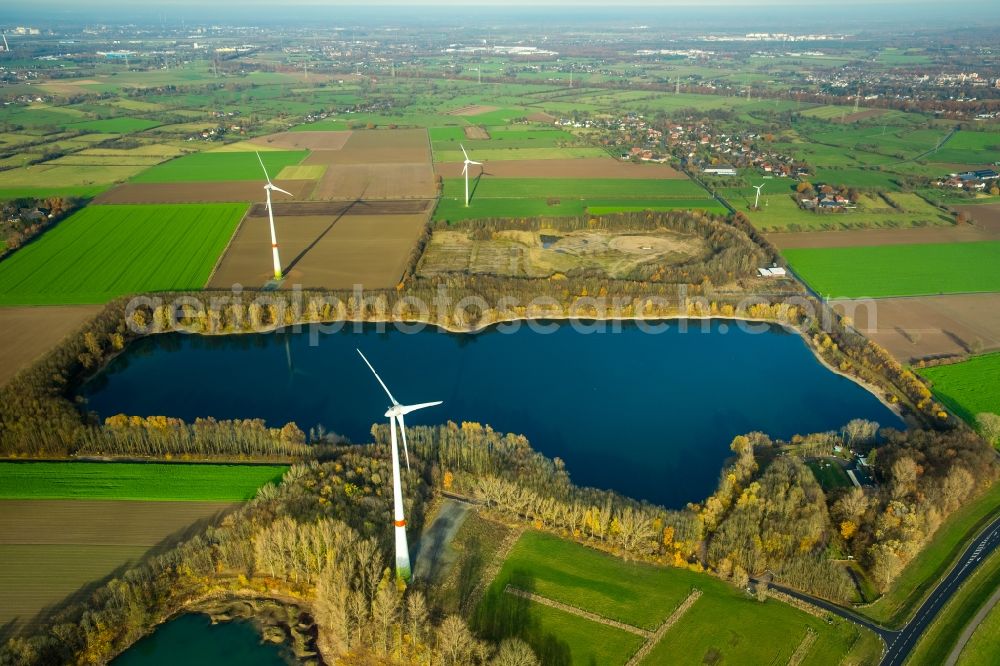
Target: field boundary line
{"points": [[225, 251], [579, 612], [803, 649], [657, 635], [486, 579]]}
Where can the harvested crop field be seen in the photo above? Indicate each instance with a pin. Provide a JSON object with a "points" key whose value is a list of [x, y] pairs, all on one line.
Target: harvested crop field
{"points": [[326, 251], [26, 333], [472, 110], [55, 550], [928, 326], [177, 193], [399, 146], [860, 237], [376, 181], [986, 216], [587, 167], [476, 133], [303, 140]]}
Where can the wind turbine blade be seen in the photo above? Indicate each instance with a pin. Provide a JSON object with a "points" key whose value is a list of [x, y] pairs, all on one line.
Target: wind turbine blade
{"points": [[259, 159], [463, 152], [406, 409], [384, 387], [278, 189], [465, 169], [471, 162], [402, 429]]}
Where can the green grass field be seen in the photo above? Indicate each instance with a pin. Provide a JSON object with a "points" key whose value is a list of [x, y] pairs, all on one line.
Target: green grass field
{"points": [[217, 167], [829, 474], [941, 636], [984, 646], [528, 197], [724, 626], [115, 125], [968, 388], [899, 270], [102, 252], [134, 481]]}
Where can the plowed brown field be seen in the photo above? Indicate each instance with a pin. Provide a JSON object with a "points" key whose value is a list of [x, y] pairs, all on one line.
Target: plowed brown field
{"points": [[325, 251], [54, 551], [26, 333], [928, 326]]}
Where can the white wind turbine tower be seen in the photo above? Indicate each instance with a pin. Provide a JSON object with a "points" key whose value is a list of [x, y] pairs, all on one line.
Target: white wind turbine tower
{"points": [[270, 216], [396, 412], [756, 202], [465, 172]]}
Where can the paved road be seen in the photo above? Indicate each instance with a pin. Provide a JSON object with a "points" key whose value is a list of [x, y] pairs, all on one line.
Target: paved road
{"points": [[902, 644]]}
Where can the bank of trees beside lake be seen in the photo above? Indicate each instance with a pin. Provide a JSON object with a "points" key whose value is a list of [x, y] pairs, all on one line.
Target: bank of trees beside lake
{"points": [[768, 517], [40, 416]]}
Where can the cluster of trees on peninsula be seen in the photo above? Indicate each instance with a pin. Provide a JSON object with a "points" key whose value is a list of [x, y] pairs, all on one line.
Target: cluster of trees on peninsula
{"points": [[765, 518], [318, 542]]}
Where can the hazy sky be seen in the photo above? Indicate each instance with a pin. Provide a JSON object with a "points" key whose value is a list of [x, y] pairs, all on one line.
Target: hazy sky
{"points": [[82, 5]]}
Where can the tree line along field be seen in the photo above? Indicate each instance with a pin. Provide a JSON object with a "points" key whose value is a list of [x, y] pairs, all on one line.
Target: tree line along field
{"points": [[221, 166], [102, 252], [968, 388], [135, 481], [724, 624], [898, 270]]}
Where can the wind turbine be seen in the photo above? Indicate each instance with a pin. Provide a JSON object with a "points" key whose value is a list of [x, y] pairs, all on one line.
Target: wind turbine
{"points": [[271, 187], [395, 413], [756, 202], [465, 172], [6, 46]]}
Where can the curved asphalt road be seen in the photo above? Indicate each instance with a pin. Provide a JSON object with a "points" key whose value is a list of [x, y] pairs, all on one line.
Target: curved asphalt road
{"points": [[902, 644]]}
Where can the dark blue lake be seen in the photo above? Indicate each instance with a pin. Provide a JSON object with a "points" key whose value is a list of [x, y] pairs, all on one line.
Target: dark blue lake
{"points": [[649, 415], [192, 640]]}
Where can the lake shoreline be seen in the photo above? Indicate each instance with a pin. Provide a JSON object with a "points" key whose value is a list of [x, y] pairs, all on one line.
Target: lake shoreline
{"points": [[875, 390]]}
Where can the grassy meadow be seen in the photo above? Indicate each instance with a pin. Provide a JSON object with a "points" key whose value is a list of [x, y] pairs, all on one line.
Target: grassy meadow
{"points": [[643, 595], [215, 167], [970, 387], [899, 270], [134, 481], [102, 252]]}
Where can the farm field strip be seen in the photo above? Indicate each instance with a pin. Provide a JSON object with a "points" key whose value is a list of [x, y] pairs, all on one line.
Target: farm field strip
{"points": [[899, 270], [220, 167], [970, 387], [135, 481], [154, 248]]}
